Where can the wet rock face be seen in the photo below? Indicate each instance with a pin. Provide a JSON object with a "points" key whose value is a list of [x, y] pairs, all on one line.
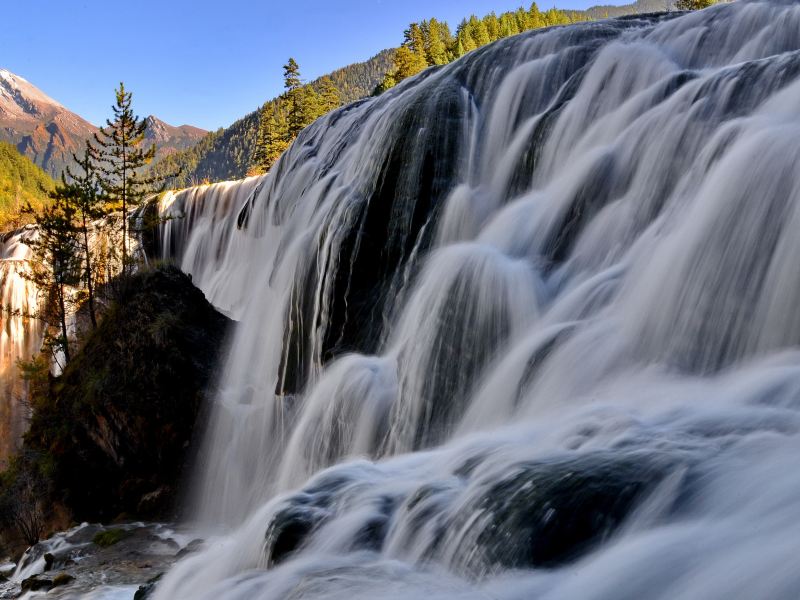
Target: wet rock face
{"points": [[537, 514], [78, 566], [544, 514], [289, 529], [118, 422]]}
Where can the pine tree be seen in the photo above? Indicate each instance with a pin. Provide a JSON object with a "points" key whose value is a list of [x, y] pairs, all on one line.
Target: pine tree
{"points": [[294, 95], [464, 37], [437, 41], [121, 158], [311, 104], [492, 24], [415, 40], [407, 63], [508, 25], [55, 266], [329, 97], [83, 194], [258, 163], [271, 141], [479, 32]]}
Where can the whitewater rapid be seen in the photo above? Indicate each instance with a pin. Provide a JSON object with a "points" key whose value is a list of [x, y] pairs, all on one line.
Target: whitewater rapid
{"points": [[523, 326]]}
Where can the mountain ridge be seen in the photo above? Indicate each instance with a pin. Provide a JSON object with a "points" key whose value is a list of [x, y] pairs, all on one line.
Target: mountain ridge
{"points": [[48, 133]]}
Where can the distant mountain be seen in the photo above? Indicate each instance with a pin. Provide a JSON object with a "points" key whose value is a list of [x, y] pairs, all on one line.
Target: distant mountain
{"points": [[48, 133], [40, 128], [168, 138]]}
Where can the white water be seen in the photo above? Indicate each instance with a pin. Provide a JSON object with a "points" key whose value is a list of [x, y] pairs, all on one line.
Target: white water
{"points": [[538, 313], [20, 336]]}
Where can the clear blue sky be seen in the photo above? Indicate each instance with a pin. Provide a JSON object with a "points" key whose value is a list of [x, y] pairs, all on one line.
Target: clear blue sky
{"points": [[203, 62]]}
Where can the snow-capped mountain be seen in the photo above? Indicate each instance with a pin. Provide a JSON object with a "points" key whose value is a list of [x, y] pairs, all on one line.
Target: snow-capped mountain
{"points": [[48, 133], [40, 127]]}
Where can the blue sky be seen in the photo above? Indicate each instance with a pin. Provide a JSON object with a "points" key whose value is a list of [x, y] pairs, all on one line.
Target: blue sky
{"points": [[203, 62]]}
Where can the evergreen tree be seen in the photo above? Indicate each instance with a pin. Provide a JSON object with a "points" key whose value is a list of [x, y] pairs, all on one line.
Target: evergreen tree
{"points": [[459, 51], [121, 157], [407, 63], [55, 266], [329, 97], [479, 32], [83, 193], [258, 163], [276, 143], [311, 104], [294, 96], [438, 39], [271, 141], [492, 24], [535, 17], [464, 37], [415, 40], [508, 25]]}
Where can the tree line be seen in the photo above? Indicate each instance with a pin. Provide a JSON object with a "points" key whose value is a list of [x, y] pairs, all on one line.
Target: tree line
{"points": [[427, 43], [282, 119], [430, 43]]}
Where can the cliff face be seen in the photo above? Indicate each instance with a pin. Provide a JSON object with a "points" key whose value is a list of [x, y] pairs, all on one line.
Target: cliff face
{"points": [[116, 426]]}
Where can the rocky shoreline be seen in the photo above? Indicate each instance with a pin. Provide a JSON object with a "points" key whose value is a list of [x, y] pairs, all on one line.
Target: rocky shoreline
{"points": [[90, 561]]}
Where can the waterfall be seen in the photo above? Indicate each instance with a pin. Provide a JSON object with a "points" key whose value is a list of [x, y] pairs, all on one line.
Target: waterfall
{"points": [[523, 326], [20, 336]]}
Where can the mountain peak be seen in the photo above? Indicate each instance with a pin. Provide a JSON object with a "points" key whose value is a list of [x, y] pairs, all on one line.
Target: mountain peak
{"points": [[18, 94], [169, 138], [48, 133]]}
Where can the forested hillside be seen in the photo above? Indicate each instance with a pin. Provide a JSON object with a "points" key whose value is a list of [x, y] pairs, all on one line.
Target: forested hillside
{"points": [[431, 43], [235, 151], [21, 182], [639, 7], [228, 153]]}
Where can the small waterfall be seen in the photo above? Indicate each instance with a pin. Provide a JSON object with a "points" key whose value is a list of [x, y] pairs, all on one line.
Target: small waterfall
{"points": [[22, 328], [523, 326], [20, 336]]}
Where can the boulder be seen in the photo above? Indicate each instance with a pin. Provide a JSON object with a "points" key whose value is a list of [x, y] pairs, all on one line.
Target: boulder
{"points": [[118, 422]]}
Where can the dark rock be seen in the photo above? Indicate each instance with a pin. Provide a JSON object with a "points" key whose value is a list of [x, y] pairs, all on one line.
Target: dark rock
{"points": [[544, 514], [62, 579], [146, 590], [116, 424], [289, 529], [34, 584], [48, 561], [190, 548]]}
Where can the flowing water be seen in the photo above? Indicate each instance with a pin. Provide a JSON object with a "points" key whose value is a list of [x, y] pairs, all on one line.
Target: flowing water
{"points": [[523, 326], [20, 336]]}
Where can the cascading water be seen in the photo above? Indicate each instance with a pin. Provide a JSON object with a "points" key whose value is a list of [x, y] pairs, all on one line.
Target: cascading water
{"points": [[20, 335], [523, 326]]}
